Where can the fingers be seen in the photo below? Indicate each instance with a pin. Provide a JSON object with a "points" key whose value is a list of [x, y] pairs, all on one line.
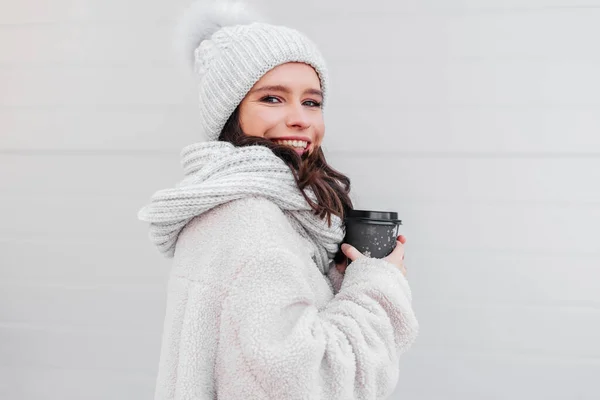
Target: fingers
{"points": [[400, 245], [351, 252], [402, 239], [397, 255]]}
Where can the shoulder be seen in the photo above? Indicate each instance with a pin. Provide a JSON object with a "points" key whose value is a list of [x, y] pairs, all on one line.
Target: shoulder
{"points": [[252, 211], [243, 224], [249, 215]]}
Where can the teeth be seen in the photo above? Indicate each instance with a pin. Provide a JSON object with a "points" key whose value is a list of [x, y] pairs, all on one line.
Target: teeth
{"points": [[295, 143]]}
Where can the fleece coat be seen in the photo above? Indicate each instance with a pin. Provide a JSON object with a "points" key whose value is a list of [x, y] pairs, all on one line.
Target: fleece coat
{"points": [[250, 316]]}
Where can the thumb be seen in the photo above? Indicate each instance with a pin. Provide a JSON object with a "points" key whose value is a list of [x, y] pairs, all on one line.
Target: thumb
{"points": [[397, 255], [351, 252]]}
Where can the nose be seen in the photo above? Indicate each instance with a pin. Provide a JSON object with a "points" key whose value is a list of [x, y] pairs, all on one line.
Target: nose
{"points": [[297, 117]]}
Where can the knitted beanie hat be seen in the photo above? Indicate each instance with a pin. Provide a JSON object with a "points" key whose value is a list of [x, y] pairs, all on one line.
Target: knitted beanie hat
{"points": [[229, 49]]}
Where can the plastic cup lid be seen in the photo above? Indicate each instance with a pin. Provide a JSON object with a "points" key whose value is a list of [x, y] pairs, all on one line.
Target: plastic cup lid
{"points": [[374, 215]]}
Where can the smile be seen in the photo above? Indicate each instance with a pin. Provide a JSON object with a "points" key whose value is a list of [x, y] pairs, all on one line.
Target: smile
{"points": [[300, 146]]}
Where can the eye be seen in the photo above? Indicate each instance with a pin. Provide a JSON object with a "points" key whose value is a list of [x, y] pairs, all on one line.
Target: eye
{"points": [[270, 99], [312, 103]]}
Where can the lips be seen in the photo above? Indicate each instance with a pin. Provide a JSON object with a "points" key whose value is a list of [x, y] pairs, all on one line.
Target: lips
{"points": [[301, 151], [302, 138], [298, 150]]}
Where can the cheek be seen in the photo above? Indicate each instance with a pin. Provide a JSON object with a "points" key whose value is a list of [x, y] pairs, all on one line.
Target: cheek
{"points": [[257, 121], [319, 127]]}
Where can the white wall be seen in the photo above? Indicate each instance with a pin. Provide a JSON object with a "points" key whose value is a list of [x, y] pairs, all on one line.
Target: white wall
{"points": [[477, 120]]}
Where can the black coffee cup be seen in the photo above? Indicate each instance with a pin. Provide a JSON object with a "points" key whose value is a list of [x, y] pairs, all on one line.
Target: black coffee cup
{"points": [[373, 233]]}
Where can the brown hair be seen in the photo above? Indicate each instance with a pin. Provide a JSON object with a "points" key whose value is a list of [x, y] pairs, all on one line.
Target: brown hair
{"points": [[330, 187]]}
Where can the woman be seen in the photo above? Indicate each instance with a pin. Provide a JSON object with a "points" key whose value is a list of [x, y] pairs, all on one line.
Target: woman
{"points": [[254, 310]]}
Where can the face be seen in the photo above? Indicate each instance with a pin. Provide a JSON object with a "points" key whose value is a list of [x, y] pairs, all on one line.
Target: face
{"points": [[285, 104]]}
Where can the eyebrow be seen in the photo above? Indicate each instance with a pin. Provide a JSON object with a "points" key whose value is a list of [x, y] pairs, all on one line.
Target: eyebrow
{"points": [[284, 89]]}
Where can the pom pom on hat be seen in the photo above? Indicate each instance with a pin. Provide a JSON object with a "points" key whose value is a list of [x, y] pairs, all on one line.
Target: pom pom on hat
{"points": [[205, 17]]}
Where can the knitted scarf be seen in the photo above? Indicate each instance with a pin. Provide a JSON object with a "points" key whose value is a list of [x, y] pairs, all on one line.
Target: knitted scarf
{"points": [[218, 172]]}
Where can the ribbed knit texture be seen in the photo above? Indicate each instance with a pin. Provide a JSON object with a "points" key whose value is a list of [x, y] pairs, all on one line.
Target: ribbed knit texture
{"points": [[236, 57], [219, 172]]}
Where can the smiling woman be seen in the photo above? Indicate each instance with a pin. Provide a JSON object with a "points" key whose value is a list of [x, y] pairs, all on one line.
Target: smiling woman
{"points": [[283, 111], [256, 306]]}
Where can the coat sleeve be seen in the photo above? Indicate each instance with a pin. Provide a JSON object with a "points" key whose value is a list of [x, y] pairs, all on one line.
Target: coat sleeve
{"points": [[348, 349]]}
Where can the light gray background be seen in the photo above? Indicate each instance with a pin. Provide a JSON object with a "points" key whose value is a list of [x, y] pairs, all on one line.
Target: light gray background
{"points": [[477, 120]]}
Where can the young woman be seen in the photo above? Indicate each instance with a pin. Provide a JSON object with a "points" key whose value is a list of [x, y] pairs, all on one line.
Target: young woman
{"points": [[257, 307]]}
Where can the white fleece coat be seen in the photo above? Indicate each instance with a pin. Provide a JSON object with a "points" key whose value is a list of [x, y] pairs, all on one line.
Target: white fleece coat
{"points": [[250, 316]]}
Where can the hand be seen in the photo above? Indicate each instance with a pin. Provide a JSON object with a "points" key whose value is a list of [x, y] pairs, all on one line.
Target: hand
{"points": [[396, 257]]}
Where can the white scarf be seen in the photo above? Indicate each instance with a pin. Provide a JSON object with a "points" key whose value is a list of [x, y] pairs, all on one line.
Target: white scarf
{"points": [[217, 172]]}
